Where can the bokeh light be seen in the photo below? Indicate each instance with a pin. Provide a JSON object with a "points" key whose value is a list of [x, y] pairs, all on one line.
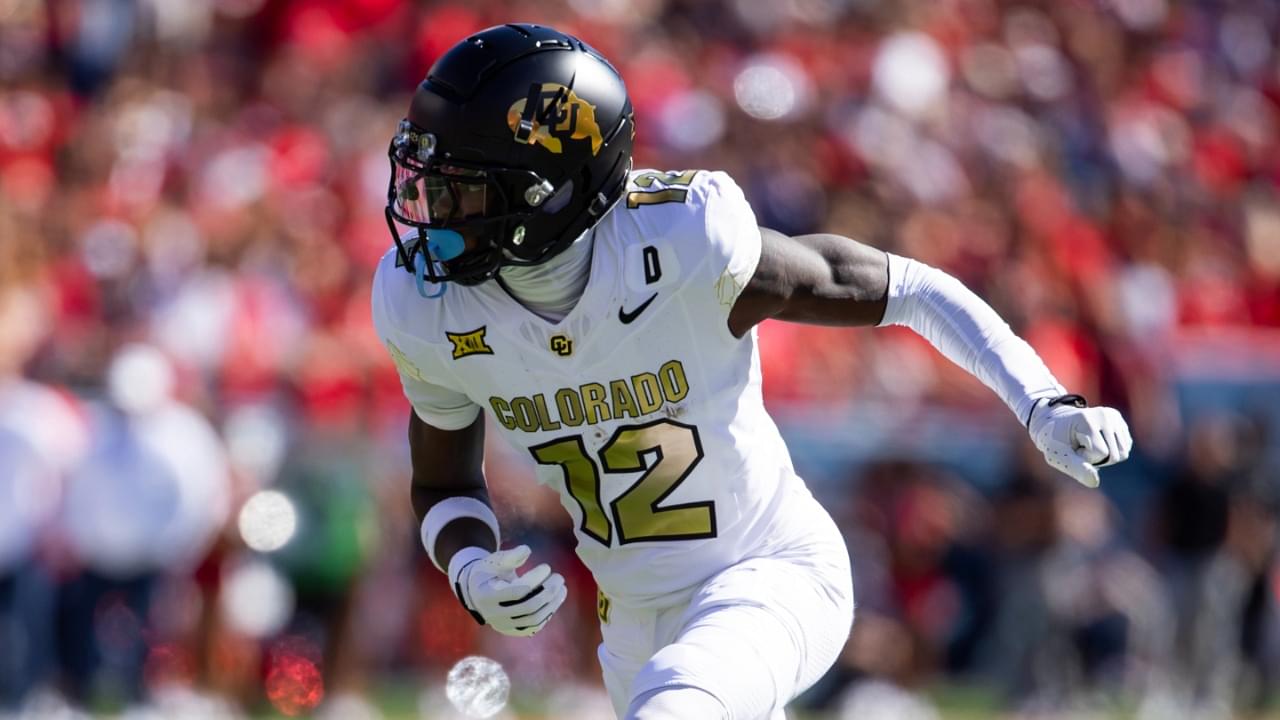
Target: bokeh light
{"points": [[257, 600], [1141, 14], [268, 520], [294, 684], [256, 443], [692, 120], [140, 378], [771, 87], [109, 248], [911, 72]]}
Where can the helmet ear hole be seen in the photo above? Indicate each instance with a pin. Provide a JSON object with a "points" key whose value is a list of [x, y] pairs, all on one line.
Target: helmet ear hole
{"points": [[560, 199]]}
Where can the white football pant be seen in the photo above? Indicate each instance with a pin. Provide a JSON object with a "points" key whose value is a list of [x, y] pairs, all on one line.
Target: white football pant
{"points": [[753, 637]]}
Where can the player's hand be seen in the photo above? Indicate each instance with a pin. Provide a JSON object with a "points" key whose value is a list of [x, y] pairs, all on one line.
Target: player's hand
{"points": [[512, 604], [1078, 440]]}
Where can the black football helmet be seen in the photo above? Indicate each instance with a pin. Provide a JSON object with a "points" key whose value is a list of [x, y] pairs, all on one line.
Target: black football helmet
{"points": [[519, 139]]}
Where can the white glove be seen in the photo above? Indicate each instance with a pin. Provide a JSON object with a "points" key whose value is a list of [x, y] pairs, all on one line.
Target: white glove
{"points": [[1078, 440], [487, 585]]}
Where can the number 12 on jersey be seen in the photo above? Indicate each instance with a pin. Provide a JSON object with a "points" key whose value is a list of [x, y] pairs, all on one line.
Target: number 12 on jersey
{"points": [[660, 187], [665, 452]]}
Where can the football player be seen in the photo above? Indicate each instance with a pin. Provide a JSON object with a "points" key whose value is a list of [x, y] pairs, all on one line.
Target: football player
{"points": [[603, 319]]}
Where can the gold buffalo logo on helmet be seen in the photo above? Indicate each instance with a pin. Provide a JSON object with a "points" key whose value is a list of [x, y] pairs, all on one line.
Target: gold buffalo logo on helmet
{"points": [[558, 114]]}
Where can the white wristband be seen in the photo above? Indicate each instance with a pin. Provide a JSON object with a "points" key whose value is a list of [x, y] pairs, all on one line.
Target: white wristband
{"points": [[460, 560], [448, 510]]}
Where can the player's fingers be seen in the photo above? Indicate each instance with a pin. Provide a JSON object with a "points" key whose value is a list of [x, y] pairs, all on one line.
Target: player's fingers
{"points": [[497, 591], [535, 598], [1121, 452], [1126, 440], [526, 607], [506, 593], [538, 615], [1123, 441], [508, 560], [1090, 446], [1086, 475], [1097, 422], [534, 622], [536, 576], [530, 624], [1113, 452], [1078, 469]]}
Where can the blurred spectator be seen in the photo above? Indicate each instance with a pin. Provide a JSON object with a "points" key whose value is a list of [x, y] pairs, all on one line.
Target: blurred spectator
{"points": [[41, 438], [146, 501], [324, 560], [1081, 614], [938, 577], [1217, 543]]}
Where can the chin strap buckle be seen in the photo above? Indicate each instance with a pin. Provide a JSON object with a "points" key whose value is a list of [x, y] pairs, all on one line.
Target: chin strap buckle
{"points": [[598, 205]]}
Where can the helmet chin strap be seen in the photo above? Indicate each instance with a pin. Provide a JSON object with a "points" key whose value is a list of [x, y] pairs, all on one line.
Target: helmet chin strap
{"points": [[420, 277], [441, 245]]}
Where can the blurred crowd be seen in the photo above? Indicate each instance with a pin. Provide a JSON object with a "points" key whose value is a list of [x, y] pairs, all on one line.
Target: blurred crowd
{"points": [[203, 472]]}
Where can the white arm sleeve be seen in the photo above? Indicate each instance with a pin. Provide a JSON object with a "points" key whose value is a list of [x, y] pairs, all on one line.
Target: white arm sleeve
{"points": [[968, 332]]}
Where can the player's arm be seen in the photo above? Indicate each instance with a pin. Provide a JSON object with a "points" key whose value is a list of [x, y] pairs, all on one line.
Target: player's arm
{"points": [[460, 532], [447, 488], [816, 279], [833, 280], [447, 467]]}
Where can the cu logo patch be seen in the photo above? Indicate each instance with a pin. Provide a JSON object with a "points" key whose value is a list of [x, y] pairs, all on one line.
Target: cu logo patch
{"points": [[561, 345], [551, 114]]}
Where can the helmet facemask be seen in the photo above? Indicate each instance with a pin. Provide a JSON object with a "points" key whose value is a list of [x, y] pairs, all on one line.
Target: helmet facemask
{"points": [[467, 226]]}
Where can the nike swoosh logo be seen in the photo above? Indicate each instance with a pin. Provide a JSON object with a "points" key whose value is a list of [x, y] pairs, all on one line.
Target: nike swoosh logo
{"points": [[627, 317]]}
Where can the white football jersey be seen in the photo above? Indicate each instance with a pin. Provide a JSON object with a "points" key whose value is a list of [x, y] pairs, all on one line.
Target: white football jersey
{"points": [[639, 407]]}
